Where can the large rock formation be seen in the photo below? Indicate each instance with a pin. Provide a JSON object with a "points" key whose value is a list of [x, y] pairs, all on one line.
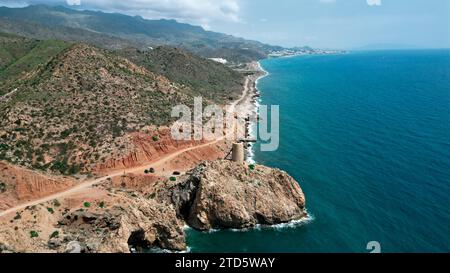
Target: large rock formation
{"points": [[223, 194], [114, 223], [121, 215], [141, 224]]}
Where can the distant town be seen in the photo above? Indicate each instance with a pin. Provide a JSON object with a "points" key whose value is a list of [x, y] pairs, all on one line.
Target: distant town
{"points": [[303, 51], [283, 53]]}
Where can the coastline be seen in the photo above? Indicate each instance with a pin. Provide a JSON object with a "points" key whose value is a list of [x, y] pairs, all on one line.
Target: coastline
{"points": [[253, 105], [121, 192]]}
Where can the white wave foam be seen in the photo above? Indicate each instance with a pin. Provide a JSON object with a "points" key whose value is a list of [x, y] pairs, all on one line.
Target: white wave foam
{"points": [[266, 73], [254, 127], [250, 150], [160, 250], [292, 224]]}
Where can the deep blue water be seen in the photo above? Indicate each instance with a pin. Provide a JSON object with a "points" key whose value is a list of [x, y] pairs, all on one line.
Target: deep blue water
{"points": [[367, 135]]}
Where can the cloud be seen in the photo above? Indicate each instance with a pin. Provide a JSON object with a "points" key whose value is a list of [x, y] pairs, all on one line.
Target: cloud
{"points": [[202, 12], [73, 2], [374, 2]]}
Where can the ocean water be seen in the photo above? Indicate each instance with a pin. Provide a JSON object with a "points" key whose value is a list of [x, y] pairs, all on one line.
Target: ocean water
{"points": [[367, 135]]}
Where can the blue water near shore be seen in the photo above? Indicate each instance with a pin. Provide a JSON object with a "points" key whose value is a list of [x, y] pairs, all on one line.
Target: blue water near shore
{"points": [[367, 135]]}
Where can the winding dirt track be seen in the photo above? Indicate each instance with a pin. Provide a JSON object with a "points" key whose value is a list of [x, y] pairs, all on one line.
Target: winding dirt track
{"points": [[85, 185]]}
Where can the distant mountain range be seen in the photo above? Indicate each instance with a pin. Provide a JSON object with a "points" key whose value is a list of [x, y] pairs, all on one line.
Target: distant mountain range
{"points": [[115, 31]]}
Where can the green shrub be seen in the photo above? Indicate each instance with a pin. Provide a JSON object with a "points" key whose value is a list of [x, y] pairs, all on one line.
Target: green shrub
{"points": [[173, 178], [66, 133], [34, 234], [3, 147], [60, 166], [87, 204], [74, 169], [251, 167], [101, 204], [18, 216], [155, 138], [56, 203], [54, 234], [51, 210]]}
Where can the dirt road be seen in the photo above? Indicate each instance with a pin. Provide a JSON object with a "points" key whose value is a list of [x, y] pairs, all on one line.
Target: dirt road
{"points": [[85, 185]]}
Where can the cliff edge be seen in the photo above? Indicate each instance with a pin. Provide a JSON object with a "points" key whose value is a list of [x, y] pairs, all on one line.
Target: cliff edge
{"points": [[112, 217], [223, 194]]}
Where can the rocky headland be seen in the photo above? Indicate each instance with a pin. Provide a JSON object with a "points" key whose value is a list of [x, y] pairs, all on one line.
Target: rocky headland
{"points": [[116, 216]]}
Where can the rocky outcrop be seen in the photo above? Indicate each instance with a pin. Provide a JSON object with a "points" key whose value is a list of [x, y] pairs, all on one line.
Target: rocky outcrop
{"points": [[119, 216], [223, 194], [141, 224], [5, 249], [124, 221]]}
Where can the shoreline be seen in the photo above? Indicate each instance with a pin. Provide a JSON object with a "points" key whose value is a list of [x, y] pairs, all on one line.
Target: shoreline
{"points": [[252, 104], [121, 191]]}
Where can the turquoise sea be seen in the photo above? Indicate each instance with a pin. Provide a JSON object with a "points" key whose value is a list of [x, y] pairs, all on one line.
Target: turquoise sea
{"points": [[367, 135]]}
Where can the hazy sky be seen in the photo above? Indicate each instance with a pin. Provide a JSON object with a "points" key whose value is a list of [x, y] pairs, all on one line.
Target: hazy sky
{"points": [[318, 23]]}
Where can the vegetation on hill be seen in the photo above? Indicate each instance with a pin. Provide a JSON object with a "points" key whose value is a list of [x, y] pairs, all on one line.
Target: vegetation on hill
{"points": [[138, 31], [206, 78], [66, 106], [24, 58], [12, 48], [75, 110], [35, 30]]}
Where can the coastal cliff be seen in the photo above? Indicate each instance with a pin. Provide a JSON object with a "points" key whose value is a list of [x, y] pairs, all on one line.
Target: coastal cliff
{"points": [[223, 194], [218, 194]]}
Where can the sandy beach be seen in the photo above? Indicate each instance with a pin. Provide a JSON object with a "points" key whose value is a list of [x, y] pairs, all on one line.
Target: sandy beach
{"points": [[251, 105]]}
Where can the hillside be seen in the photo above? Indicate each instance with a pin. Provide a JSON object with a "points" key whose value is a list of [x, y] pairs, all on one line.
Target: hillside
{"points": [[38, 31], [141, 31], [12, 48], [22, 58], [206, 78], [76, 109]]}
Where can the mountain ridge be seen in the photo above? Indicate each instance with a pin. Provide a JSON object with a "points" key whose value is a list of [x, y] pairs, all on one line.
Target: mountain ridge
{"points": [[144, 32]]}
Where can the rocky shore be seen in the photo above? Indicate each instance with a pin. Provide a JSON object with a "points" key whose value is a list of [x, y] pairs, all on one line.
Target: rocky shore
{"points": [[214, 195]]}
